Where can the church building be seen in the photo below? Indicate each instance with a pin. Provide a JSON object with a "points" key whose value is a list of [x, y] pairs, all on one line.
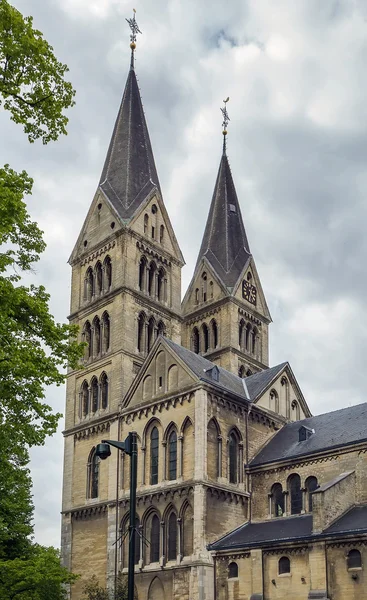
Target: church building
{"points": [[242, 493]]}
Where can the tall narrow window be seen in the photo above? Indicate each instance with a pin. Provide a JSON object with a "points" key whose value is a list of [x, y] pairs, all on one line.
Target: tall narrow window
{"points": [[94, 393], [172, 537], [233, 458], [142, 273], [161, 328], [160, 284], [161, 233], [241, 329], [277, 498], [108, 274], [253, 341], [197, 296], [172, 456], [89, 279], [294, 487], [284, 565], [214, 336], [151, 333], [141, 326], [205, 332], [106, 332], [93, 475], [146, 223], [97, 336], [311, 486], [241, 372], [232, 570], [154, 456], [104, 390], [154, 539], [296, 413], [247, 337], [85, 399], [195, 340], [87, 338], [151, 279], [99, 273], [188, 531], [204, 284]]}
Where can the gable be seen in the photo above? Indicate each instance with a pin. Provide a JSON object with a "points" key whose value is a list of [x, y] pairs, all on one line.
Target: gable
{"points": [[283, 396], [205, 287], [248, 280], [151, 221], [100, 223], [162, 373]]}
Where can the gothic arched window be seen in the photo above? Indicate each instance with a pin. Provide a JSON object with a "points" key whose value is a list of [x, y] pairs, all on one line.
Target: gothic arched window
{"points": [[233, 457], [241, 329], [253, 341], [172, 456], [172, 537], [161, 233], [188, 531], [296, 413], [205, 332], [248, 372], [99, 277], [155, 539], [161, 328], [146, 223], [104, 390], [107, 267], [241, 371], [85, 398], [248, 336], [284, 565], [277, 500], [232, 570], [274, 401], [160, 284], [195, 340], [94, 394], [87, 337], [142, 273], [106, 332], [151, 279], [151, 333], [141, 326], [93, 475], [89, 284], [97, 336], [214, 333], [154, 456], [295, 492], [310, 485]]}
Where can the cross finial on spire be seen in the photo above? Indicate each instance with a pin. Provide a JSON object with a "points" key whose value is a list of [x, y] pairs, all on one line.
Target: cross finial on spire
{"points": [[134, 31], [226, 120]]}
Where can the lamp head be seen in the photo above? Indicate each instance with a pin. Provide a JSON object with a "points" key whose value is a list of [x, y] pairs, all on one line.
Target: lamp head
{"points": [[103, 451]]}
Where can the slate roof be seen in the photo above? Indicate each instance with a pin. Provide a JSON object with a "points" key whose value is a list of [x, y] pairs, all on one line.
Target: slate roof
{"points": [[129, 174], [225, 242], [353, 521], [333, 429], [257, 382], [256, 534]]}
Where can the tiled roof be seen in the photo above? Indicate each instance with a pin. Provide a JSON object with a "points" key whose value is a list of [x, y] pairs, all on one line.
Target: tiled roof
{"points": [[129, 174], [337, 428], [255, 534], [225, 242]]}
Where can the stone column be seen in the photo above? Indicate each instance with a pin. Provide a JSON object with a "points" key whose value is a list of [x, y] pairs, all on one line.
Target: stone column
{"points": [[180, 456], [317, 569], [179, 540]]}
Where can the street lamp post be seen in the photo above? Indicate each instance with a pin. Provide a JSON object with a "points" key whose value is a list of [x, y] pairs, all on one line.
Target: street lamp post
{"points": [[130, 447]]}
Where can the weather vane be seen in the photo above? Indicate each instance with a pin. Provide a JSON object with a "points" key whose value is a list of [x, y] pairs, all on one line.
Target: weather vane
{"points": [[134, 31], [226, 120]]}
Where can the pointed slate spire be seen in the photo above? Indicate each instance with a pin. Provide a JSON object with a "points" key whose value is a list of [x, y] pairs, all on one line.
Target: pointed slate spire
{"points": [[225, 243], [129, 174]]}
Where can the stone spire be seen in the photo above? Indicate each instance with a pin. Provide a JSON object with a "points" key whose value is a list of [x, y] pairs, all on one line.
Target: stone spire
{"points": [[129, 174], [225, 244]]}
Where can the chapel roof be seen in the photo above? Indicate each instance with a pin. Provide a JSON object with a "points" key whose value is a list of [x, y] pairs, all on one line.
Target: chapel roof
{"points": [[332, 429]]}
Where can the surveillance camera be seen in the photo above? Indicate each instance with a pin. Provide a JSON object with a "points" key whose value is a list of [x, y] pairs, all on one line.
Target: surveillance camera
{"points": [[103, 451]]}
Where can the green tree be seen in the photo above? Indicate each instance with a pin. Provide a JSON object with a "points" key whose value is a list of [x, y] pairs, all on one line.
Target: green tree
{"points": [[32, 84]]}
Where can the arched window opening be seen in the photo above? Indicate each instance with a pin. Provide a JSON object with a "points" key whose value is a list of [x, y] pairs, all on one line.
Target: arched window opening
{"points": [[142, 273], [277, 498], [97, 336], [172, 456], [214, 333], [354, 560], [232, 570], [99, 277], [188, 531], [106, 332], [93, 474], [205, 331], [296, 413], [248, 336], [160, 284], [233, 458], [241, 329], [87, 335], [249, 277], [85, 398], [94, 394], [248, 372], [204, 281], [284, 565], [211, 286], [274, 401], [253, 341], [161, 233], [241, 371], [311, 485], [195, 340], [141, 325], [104, 390], [197, 296], [154, 539], [172, 537], [146, 223], [89, 279], [295, 492], [108, 274], [161, 328], [154, 456], [151, 279], [151, 332]]}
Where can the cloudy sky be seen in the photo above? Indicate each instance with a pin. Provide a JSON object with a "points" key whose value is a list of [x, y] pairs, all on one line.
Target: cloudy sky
{"points": [[295, 71]]}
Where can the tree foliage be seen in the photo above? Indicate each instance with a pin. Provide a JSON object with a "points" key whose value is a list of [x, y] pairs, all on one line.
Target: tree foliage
{"points": [[32, 83], [94, 591]]}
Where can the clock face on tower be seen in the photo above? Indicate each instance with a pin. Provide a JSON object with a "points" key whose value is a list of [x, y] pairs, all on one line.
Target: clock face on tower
{"points": [[249, 292]]}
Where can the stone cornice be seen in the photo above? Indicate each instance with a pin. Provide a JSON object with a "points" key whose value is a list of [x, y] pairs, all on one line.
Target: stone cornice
{"points": [[98, 252], [255, 414], [231, 556], [144, 498], [225, 494], [209, 312], [87, 511], [89, 427], [129, 414], [288, 550]]}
